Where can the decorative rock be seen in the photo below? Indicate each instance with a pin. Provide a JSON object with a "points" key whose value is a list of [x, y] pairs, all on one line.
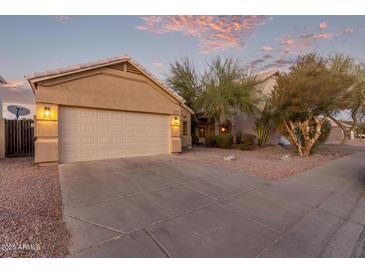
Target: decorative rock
{"points": [[285, 157], [230, 158]]}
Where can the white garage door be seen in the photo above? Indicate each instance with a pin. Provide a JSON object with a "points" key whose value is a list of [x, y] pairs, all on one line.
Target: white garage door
{"points": [[92, 134]]}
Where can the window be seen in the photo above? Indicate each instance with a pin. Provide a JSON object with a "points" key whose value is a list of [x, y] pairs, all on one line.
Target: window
{"points": [[201, 132], [185, 127]]}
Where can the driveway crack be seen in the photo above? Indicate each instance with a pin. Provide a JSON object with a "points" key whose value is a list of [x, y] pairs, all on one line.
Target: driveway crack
{"points": [[96, 224], [158, 243]]}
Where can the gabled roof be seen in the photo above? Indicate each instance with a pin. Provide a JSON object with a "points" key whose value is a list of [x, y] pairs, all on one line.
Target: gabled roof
{"points": [[46, 75], [266, 75]]}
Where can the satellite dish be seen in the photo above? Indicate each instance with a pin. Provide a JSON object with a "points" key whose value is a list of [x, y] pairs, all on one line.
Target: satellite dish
{"points": [[18, 110]]}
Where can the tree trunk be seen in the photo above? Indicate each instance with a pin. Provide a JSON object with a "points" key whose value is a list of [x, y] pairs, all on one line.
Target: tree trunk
{"points": [[304, 126], [310, 141], [346, 130], [290, 128]]}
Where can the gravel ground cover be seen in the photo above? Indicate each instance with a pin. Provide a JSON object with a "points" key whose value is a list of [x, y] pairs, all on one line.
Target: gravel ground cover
{"points": [[31, 223], [271, 162]]}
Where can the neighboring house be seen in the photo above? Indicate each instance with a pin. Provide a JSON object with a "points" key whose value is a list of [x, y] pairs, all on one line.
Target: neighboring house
{"points": [[239, 122], [106, 109], [336, 133]]}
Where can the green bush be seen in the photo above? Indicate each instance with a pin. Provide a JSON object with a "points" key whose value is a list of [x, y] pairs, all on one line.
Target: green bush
{"points": [[325, 132], [238, 137], [194, 140], [263, 133], [224, 140], [210, 141], [248, 141]]}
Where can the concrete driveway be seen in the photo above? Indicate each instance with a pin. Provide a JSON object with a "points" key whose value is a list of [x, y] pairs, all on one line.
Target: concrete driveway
{"points": [[168, 206]]}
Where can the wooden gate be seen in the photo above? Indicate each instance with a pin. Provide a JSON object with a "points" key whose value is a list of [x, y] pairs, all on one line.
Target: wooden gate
{"points": [[19, 138]]}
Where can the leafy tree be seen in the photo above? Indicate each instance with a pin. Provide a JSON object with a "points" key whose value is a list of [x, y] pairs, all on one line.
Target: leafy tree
{"points": [[226, 88], [184, 79], [312, 88], [353, 97]]}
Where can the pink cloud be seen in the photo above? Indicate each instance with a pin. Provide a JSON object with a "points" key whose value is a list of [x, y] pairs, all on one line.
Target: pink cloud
{"points": [[213, 32], [348, 30], [288, 42], [157, 64], [323, 25], [256, 62], [17, 91], [324, 36], [15, 84], [305, 41], [281, 63], [260, 62], [267, 49], [265, 63]]}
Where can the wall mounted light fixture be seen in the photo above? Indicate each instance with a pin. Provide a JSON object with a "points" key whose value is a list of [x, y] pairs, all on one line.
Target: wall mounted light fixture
{"points": [[176, 121], [47, 112]]}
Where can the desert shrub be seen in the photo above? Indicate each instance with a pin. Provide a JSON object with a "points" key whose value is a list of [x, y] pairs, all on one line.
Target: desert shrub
{"points": [[210, 141], [224, 140], [248, 141], [325, 133], [263, 133], [238, 137], [194, 140]]}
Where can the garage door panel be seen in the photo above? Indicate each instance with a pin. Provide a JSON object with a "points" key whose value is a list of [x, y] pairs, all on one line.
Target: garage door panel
{"points": [[91, 134]]}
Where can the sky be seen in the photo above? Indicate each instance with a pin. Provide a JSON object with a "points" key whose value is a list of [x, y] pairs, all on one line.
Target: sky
{"points": [[31, 44]]}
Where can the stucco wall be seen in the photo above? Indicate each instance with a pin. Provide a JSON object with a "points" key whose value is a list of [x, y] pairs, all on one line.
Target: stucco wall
{"points": [[336, 134], [246, 124], [186, 139], [109, 89], [46, 134], [103, 88]]}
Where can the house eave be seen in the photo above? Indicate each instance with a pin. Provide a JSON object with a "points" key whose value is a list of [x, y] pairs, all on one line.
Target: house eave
{"points": [[34, 78]]}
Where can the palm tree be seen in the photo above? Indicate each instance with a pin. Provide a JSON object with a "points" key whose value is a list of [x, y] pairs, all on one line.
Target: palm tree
{"points": [[184, 79], [226, 89]]}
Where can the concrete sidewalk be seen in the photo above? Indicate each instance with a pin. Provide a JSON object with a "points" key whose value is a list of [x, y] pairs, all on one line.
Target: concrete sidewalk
{"points": [[172, 207], [334, 225]]}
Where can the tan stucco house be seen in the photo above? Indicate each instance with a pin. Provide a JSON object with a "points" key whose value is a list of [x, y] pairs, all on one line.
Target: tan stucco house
{"points": [[106, 109], [336, 134]]}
